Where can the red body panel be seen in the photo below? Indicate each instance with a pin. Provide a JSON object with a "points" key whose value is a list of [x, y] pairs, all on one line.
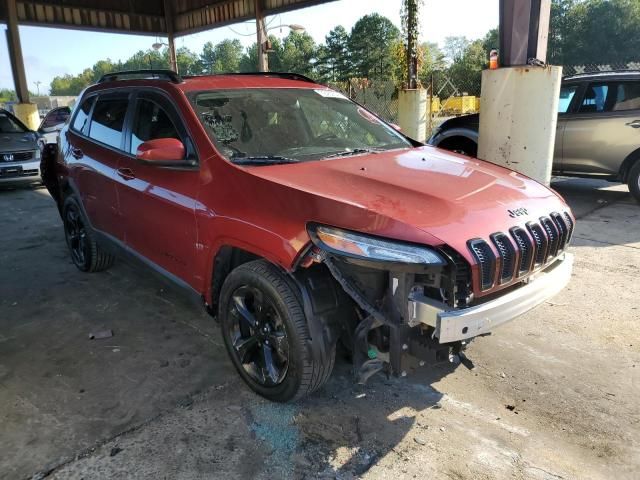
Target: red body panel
{"points": [[180, 219]]}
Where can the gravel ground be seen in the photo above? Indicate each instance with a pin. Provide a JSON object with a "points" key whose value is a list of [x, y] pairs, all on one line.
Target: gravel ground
{"points": [[552, 395]]}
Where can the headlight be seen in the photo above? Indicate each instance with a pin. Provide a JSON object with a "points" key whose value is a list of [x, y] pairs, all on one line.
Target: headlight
{"points": [[343, 242]]}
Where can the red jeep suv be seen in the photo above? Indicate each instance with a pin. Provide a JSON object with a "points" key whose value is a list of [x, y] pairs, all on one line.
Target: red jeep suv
{"points": [[302, 220]]}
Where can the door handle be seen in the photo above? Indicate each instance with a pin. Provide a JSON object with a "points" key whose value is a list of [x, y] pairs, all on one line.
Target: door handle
{"points": [[126, 173], [76, 153], [634, 124]]}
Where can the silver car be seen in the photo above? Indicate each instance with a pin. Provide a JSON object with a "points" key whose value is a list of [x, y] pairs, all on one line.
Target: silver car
{"points": [[598, 132], [20, 150]]}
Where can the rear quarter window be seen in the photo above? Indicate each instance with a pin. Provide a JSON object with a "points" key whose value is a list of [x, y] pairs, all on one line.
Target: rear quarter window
{"points": [[107, 121], [82, 115]]}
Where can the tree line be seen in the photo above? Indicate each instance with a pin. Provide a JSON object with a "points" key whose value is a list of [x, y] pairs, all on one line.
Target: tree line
{"points": [[373, 49]]}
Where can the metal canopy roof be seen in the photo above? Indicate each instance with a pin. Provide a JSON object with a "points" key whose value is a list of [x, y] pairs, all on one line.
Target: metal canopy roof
{"points": [[145, 16]]}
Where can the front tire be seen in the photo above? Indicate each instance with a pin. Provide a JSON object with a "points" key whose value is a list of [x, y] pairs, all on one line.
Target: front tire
{"points": [[266, 335], [86, 254], [634, 180]]}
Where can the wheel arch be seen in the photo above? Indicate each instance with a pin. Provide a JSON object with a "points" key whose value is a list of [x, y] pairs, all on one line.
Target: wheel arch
{"points": [[451, 133], [627, 164], [463, 138]]}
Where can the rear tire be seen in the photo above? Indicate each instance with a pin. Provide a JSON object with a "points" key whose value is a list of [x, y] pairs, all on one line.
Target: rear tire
{"points": [[266, 335], [634, 180], [86, 254]]}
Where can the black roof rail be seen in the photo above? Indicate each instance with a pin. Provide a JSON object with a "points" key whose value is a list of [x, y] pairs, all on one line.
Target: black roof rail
{"points": [[603, 72], [285, 75], [148, 74]]}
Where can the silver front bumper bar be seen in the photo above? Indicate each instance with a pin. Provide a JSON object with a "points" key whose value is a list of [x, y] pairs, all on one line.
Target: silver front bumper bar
{"points": [[455, 325]]}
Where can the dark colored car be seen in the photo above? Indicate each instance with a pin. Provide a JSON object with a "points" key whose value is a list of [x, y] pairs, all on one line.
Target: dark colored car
{"points": [[598, 132], [302, 220], [20, 150]]}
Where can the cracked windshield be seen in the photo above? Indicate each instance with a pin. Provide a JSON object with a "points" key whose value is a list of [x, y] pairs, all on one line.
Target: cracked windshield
{"points": [[266, 126]]}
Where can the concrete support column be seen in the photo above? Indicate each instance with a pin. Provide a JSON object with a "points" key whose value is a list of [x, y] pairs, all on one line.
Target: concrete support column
{"points": [[28, 114], [519, 103], [261, 28], [413, 106], [518, 118], [168, 19]]}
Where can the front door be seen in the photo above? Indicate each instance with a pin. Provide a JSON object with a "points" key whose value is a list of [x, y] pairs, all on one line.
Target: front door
{"points": [[158, 202]]}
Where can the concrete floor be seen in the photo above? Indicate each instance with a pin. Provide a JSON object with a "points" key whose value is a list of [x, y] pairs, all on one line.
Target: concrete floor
{"points": [[553, 395]]}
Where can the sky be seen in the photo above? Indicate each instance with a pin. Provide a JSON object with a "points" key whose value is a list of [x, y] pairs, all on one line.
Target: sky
{"points": [[49, 51]]}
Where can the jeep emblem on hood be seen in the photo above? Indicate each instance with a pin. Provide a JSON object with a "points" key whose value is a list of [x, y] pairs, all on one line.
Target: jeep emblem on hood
{"points": [[517, 212]]}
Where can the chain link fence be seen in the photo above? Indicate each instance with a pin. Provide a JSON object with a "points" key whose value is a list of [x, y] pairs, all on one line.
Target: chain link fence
{"points": [[379, 96], [455, 93]]}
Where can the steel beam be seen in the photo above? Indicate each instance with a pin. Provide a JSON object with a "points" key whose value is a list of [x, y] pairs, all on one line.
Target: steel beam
{"points": [[524, 30], [15, 52], [261, 28], [169, 23]]}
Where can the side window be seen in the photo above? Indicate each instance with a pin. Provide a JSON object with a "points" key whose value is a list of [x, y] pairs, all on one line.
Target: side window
{"points": [[628, 97], [55, 117], [595, 98], [151, 122], [107, 120], [83, 114], [566, 96]]}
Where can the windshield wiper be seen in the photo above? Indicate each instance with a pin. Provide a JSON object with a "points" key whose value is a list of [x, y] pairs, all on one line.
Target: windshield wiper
{"points": [[263, 160], [355, 151]]}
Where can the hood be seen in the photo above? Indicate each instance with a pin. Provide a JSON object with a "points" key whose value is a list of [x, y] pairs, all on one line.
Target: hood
{"points": [[17, 142], [448, 196]]}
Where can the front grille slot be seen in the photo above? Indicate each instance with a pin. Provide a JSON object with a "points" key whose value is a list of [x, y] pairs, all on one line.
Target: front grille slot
{"points": [[540, 240], [526, 248], [507, 256], [552, 234], [562, 229], [486, 261], [16, 156], [570, 226]]}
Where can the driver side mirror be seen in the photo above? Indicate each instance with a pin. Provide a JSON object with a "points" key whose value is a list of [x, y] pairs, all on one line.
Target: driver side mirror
{"points": [[161, 150]]}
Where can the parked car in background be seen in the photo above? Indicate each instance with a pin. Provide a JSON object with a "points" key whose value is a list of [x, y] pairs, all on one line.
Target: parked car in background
{"points": [[598, 132], [302, 219], [20, 150], [53, 122]]}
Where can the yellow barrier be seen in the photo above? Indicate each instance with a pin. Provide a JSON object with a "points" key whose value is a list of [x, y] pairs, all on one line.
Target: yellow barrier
{"points": [[461, 105]]}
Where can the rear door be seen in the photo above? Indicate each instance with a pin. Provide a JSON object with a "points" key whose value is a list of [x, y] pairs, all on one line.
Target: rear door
{"points": [[93, 148], [158, 202], [603, 131], [569, 94]]}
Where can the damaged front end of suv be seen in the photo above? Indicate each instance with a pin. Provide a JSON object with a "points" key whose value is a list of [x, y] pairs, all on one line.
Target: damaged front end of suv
{"points": [[391, 303]]}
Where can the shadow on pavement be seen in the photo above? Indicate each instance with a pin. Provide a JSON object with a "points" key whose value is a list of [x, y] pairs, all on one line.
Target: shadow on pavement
{"points": [[345, 429]]}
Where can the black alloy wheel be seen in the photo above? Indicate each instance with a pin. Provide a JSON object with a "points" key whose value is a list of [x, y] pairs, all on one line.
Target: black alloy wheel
{"points": [[86, 254], [76, 235], [258, 336]]}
